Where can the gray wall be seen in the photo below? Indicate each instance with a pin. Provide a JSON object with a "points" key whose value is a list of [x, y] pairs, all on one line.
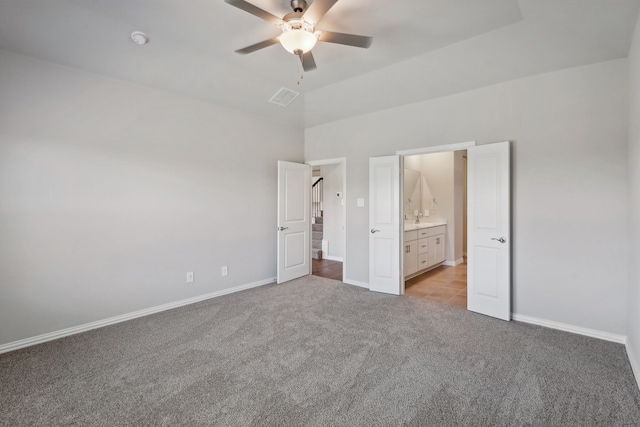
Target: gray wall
{"points": [[459, 191], [111, 192], [570, 219], [438, 172], [333, 210], [633, 323]]}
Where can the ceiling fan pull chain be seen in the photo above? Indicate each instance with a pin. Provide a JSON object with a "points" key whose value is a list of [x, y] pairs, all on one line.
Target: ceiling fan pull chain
{"points": [[301, 74]]}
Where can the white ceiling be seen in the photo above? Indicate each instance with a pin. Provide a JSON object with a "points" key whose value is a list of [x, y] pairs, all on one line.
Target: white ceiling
{"points": [[421, 49]]}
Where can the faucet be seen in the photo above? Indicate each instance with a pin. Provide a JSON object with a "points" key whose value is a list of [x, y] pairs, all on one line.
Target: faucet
{"points": [[418, 218]]}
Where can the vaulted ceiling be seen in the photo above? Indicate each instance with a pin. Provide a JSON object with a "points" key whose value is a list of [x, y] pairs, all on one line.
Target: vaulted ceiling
{"points": [[422, 49]]}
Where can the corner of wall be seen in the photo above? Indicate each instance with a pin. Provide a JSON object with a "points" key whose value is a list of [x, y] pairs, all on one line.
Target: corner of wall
{"points": [[633, 360], [633, 309]]}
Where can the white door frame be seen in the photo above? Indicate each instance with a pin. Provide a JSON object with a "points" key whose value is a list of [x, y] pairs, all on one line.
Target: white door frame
{"points": [[343, 162], [416, 152]]}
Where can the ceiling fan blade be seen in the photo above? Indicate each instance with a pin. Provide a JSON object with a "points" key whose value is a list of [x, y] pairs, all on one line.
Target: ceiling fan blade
{"points": [[254, 10], [348, 39], [308, 63], [257, 46], [318, 8]]}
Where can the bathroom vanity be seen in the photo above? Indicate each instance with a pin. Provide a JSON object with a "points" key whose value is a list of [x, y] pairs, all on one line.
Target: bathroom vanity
{"points": [[424, 247]]}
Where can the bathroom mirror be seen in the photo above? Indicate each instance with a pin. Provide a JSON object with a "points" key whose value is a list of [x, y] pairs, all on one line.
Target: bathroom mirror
{"points": [[412, 192]]}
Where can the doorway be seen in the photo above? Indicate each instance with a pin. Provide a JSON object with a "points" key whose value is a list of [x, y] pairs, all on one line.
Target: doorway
{"points": [[328, 218], [489, 226], [434, 212]]}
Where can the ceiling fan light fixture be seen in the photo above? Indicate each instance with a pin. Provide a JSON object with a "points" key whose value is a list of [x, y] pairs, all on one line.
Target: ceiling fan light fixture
{"points": [[296, 40]]}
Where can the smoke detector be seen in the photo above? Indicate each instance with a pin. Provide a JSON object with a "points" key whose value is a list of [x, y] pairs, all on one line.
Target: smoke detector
{"points": [[139, 37]]}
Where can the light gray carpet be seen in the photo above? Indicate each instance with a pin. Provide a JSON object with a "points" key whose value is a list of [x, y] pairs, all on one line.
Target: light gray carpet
{"points": [[316, 352]]}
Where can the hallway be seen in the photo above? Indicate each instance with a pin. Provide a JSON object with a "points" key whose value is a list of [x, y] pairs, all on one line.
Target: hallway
{"points": [[327, 269]]}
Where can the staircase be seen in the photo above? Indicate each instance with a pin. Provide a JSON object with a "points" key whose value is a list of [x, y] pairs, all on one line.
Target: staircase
{"points": [[318, 226], [316, 238]]}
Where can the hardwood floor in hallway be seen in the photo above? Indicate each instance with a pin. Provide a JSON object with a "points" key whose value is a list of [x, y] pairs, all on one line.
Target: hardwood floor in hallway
{"points": [[444, 284], [327, 269]]}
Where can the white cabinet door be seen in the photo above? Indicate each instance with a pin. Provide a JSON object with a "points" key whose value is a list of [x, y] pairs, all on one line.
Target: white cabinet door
{"points": [[440, 244], [384, 225], [294, 221], [488, 235], [410, 257], [432, 253]]}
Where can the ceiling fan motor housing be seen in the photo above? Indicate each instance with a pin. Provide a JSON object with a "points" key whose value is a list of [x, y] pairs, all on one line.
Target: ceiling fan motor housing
{"points": [[298, 5]]}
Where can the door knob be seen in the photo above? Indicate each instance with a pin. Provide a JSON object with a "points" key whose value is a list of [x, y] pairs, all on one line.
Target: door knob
{"points": [[282, 228], [373, 230], [501, 239]]}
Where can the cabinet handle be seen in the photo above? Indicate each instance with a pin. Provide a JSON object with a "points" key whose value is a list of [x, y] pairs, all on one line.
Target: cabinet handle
{"points": [[438, 241], [424, 262], [407, 249]]}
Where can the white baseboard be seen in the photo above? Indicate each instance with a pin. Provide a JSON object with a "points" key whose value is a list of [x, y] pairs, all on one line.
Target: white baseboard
{"points": [[453, 263], [332, 258], [635, 363], [124, 317], [356, 283], [607, 336]]}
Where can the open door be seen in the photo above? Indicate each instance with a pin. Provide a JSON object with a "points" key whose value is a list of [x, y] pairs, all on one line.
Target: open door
{"points": [[384, 225], [488, 230], [294, 221]]}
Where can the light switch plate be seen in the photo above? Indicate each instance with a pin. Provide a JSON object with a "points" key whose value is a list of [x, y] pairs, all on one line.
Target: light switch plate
{"points": [[360, 203]]}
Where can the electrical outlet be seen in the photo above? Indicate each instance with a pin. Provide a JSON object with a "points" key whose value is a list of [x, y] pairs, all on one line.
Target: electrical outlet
{"points": [[190, 277], [224, 271]]}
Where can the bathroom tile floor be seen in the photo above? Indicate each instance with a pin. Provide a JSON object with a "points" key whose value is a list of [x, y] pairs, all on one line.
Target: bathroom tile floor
{"points": [[444, 284]]}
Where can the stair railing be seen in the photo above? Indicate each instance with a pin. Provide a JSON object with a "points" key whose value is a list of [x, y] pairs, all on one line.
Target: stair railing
{"points": [[316, 198]]}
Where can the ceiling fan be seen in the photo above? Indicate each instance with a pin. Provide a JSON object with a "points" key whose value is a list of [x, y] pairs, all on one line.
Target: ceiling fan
{"points": [[299, 32]]}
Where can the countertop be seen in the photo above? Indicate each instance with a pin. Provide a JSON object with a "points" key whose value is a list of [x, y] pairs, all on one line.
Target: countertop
{"points": [[409, 227]]}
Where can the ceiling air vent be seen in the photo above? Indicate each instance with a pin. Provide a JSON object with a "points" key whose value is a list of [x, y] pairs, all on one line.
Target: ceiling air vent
{"points": [[284, 97]]}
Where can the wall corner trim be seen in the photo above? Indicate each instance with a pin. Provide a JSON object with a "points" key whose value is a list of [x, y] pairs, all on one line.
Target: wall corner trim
{"points": [[633, 360], [27, 342], [356, 283], [593, 333]]}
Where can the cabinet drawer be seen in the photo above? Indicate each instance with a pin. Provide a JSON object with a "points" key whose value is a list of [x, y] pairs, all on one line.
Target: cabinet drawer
{"points": [[423, 261], [434, 231], [423, 246], [410, 235], [423, 232]]}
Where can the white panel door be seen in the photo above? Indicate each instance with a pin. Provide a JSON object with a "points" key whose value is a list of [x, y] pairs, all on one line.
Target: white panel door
{"points": [[384, 224], [489, 237], [294, 221]]}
